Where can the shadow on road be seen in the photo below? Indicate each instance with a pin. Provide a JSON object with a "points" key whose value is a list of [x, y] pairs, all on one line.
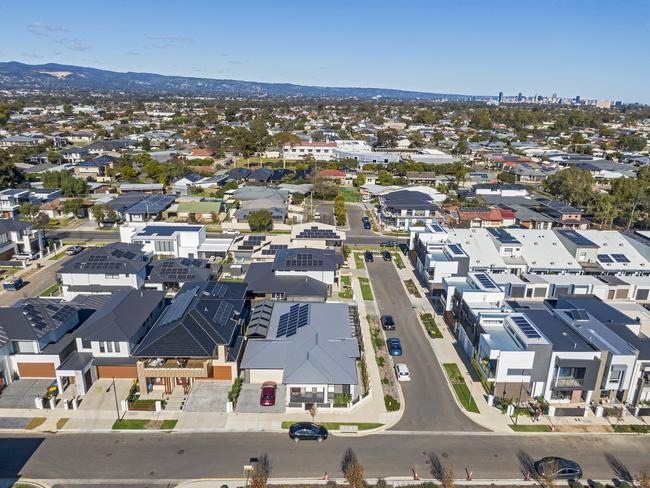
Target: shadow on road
{"points": [[15, 453], [620, 470]]}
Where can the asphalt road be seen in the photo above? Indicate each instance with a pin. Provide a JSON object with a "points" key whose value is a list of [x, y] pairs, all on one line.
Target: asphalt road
{"points": [[357, 234], [37, 283], [429, 405], [135, 456]]}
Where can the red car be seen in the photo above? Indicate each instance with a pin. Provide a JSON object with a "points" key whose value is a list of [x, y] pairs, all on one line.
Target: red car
{"points": [[267, 397]]}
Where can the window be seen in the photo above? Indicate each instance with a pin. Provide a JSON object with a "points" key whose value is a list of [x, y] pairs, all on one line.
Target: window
{"points": [[85, 344], [102, 347], [117, 347], [642, 295], [621, 293], [109, 346], [163, 246], [616, 375], [111, 276]]}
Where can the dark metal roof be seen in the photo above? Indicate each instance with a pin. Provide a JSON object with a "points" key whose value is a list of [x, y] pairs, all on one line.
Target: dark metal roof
{"points": [[179, 270], [202, 316], [306, 259], [261, 280], [114, 258], [152, 204]]}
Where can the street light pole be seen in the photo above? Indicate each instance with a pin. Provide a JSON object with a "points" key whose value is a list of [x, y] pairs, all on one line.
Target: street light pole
{"points": [[117, 405]]}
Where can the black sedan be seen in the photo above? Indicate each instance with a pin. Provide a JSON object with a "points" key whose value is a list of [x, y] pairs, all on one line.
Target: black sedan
{"points": [[560, 468], [387, 256], [387, 322], [307, 431], [368, 257]]}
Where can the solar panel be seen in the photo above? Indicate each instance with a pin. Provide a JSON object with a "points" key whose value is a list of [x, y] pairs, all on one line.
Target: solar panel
{"points": [[455, 249], [295, 318], [223, 313], [178, 307], [620, 258], [526, 328], [436, 228], [604, 258], [579, 314], [576, 238], [485, 281]]}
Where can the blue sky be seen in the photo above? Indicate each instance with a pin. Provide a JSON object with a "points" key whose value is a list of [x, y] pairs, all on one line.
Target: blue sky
{"points": [[592, 48]]}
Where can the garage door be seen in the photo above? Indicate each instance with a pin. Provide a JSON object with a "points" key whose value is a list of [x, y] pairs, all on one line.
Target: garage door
{"points": [[222, 373], [126, 371], [36, 370]]}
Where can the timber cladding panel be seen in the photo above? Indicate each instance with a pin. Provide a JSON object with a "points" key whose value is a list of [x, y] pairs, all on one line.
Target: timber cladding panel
{"points": [[222, 373], [36, 370], [117, 371]]}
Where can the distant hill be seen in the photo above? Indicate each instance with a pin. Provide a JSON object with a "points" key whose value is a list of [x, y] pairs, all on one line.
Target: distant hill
{"points": [[63, 78]]}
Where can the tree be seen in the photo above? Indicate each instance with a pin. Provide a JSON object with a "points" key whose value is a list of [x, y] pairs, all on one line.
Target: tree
{"points": [[643, 477], [548, 475], [103, 213], [73, 206], [67, 109], [416, 139], [146, 144], [444, 474], [29, 210], [324, 189], [260, 220], [572, 185], [352, 469], [69, 185], [604, 209], [632, 195], [631, 143], [360, 180], [384, 178], [262, 471], [386, 138], [10, 175], [461, 147], [339, 209], [41, 221]]}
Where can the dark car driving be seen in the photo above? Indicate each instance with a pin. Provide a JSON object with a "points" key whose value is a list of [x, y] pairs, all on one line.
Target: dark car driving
{"points": [[394, 346], [563, 469], [307, 431], [387, 322]]}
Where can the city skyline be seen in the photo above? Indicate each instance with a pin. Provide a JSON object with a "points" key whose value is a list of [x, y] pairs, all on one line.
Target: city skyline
{"points": [[368, 44]]}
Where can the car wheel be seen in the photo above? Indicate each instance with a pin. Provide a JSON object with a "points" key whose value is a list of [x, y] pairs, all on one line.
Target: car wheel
{"points": [[295, 439], [320, 439]]}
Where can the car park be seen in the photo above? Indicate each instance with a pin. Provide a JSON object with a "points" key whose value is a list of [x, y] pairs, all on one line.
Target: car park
{"points": [[387, 256], [72, 250], [402, 372], [560, 468], [368, 257], [387, 322], [394, 346], [267, 395], [307, 431]]}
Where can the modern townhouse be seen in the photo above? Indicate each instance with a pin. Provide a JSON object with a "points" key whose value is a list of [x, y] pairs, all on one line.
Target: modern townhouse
{"points": [[172, 274], [10, 201], [104, 270], [406, 208], [199, 336], [174, 240], [311, 348], [320, 151], [19, 237]]}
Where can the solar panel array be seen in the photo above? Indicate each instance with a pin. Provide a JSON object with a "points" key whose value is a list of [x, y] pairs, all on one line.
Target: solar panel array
{"points": [[503, 236], [528, 330], [290, 322], [100, 263], [315, 233], [250, 242], [180, 271], [303, 260], [223, 313], [474, 209], [456, 249], [64, 313], [576, 238], [579, 314], [620, 258], [436, 228], [216, 289], [118, 253], [178, 307], [485, 281], [273, 248], [604, 258]]}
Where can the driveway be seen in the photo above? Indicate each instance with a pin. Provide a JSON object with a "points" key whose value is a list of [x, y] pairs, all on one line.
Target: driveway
{"points": [[208, 396], [429, 405], [21, 393], [249, 400], [357, 234], [101, 396]]}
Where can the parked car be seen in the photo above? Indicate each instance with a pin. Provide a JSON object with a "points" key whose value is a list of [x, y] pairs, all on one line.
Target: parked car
{"points": [[404, 248], [563, 469], [307, 431], [402, 372], [368, 257], [317, 215], [388, 244], [267, 396], [387, 322], [366, 223], [230, 232], [394, 346], [72, 250], [13, 284], [387, 256], [24, 256]]}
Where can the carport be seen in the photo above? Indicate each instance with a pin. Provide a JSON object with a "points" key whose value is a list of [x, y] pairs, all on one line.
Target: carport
{"points": [[21, 393], [249, 399]]}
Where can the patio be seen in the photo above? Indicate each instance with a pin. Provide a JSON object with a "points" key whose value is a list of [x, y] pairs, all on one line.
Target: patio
{"points": [[21, 393]]}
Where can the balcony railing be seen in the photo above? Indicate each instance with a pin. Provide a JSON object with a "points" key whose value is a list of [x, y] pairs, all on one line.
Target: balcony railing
{"points": [[568, 382]]}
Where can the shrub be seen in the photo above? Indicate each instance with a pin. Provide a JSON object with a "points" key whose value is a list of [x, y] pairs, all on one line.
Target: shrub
{"points": [[392, 405], [576, 484], [233, 394]]}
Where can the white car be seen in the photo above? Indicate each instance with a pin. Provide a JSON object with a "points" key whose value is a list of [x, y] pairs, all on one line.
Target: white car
{"points": [[24, 256], [317, 215], [402, 372], [230, 232]]}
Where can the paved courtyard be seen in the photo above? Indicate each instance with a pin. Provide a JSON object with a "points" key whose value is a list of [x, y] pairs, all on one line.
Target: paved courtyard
{"points": [[21, 393], [208, 396], [249, 400]]}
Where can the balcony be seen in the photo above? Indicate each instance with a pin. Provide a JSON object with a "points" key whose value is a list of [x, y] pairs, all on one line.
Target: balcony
{"points": [[568, 382], [173, 368]]}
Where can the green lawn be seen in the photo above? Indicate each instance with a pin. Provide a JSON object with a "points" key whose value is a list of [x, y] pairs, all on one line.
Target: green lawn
{"points": [[337, 425], [350, 193], [346, 293], [346, 288], [56, 257], [35, 422], [358, 261], [430, 325], [168, 424], [636, 429], [51, 291], [460, 388], [131, 424], [345, 279], [366, 291], [397, 259], [531, 428]]}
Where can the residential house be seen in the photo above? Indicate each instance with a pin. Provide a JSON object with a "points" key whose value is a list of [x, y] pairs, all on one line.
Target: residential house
{"points": [[17, 236], [172, 274]]}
